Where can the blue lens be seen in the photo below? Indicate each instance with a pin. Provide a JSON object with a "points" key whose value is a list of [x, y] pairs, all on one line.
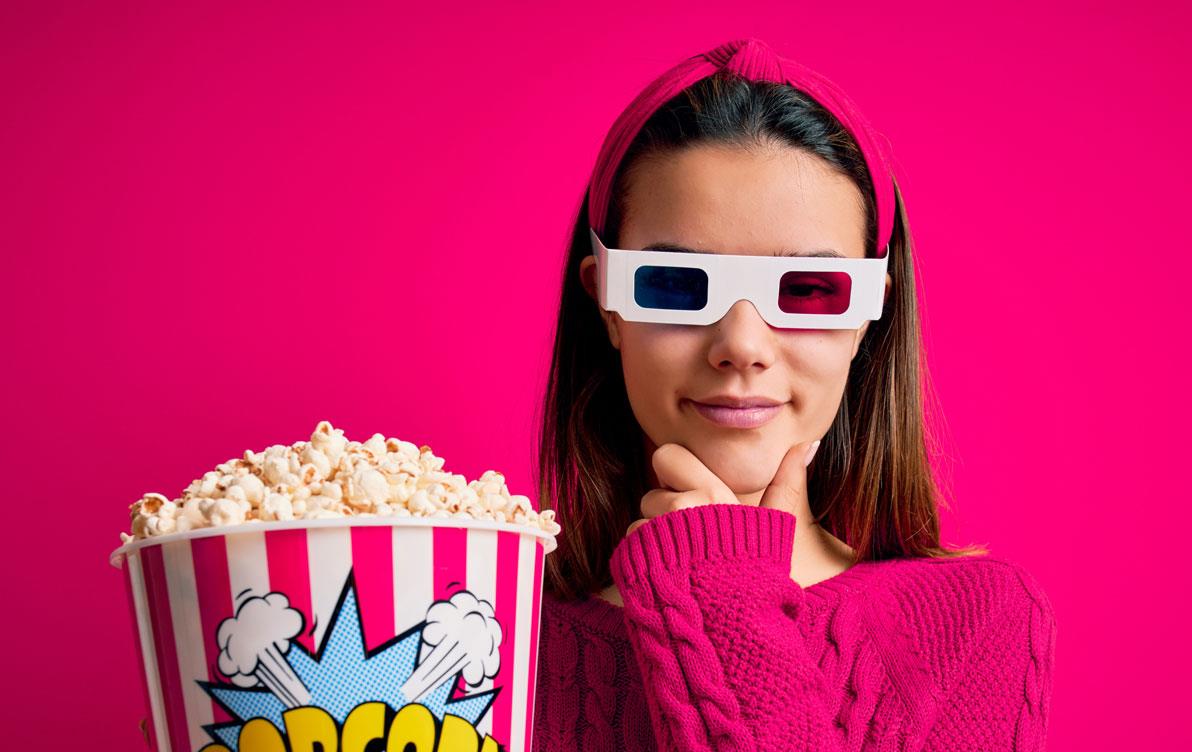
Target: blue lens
{"points": [[672, 288]]}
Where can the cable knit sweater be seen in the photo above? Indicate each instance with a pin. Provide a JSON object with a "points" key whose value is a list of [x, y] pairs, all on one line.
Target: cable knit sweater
{"points": [[717, 648]]}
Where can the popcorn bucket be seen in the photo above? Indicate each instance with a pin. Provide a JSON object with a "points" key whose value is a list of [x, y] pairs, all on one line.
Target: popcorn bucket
{"points": [[353, 634]]}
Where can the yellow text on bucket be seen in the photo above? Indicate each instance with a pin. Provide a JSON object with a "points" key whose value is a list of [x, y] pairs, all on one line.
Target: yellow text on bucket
{"points": [[414, 725]]}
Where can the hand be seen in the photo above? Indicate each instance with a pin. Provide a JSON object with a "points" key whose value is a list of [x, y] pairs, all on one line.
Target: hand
{"points": [[788, 490], [687, 482]]}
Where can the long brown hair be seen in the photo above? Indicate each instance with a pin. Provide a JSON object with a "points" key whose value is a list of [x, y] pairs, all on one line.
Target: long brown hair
{"points": [[872, 484]]}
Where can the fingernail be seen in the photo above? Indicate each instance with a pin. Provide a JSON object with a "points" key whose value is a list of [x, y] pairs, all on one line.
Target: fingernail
{"points": [[811, 452]]}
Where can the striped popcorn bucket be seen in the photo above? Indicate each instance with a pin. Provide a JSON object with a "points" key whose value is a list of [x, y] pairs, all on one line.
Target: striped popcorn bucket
{"points": [[367, 633]]}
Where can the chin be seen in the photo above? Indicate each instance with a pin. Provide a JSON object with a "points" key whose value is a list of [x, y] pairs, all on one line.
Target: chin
{"points": [[742, 467]]}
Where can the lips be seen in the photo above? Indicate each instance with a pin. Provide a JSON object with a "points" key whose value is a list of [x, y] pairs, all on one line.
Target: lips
{"points": [[737, 417], [732, 400]]}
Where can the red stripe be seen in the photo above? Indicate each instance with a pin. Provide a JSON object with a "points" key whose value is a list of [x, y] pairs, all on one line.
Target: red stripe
{"points": [[136, 630], [215, 602], [289, 573], [506, 611], [157, 591], [372, 568], [538, 556]]}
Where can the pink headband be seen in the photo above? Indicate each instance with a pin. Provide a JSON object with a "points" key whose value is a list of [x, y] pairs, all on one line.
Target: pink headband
{"points": [[754, 60]]}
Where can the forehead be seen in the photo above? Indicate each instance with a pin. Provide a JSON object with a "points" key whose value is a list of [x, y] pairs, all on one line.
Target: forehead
{"points": [[729, 199]]}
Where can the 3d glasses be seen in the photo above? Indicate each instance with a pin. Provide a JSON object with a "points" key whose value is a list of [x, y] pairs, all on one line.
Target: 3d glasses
{"points": [[790, 292]]}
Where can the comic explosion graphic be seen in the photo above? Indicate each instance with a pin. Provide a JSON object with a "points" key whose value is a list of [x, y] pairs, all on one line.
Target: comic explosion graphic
{"points": [[271, 673]]}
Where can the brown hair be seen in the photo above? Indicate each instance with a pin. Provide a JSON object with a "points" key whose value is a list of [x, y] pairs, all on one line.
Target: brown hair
{"points": [[872, 484]]}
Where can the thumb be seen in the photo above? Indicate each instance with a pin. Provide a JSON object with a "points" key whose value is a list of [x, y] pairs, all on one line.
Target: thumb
{"points": [[788, 490]]}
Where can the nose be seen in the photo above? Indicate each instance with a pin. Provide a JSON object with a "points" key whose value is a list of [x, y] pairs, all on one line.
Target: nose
{"points": [[742, 339]]}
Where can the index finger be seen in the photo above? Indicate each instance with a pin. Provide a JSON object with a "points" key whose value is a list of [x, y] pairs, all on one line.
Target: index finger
{"points": [[680, 470]]}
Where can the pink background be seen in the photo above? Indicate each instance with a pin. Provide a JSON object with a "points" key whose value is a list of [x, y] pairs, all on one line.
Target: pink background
{"points": [[222, 224]]}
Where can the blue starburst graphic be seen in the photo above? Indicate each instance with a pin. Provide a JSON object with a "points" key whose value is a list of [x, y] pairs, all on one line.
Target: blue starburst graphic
{"points": [[342, 674]]}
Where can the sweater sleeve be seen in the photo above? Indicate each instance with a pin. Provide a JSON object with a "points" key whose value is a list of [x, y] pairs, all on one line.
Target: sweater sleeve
{"points": [[712, 614]]}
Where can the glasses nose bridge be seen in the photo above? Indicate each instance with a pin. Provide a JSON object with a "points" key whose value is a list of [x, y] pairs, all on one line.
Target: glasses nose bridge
{"points": [[750, 304]]}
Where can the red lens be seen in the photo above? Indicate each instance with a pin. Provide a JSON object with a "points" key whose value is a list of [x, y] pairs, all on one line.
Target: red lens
{"points": [[814, 292]]}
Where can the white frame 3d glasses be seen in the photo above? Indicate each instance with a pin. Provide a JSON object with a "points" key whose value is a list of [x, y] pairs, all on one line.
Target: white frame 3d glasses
{"points": [[790, 292]]}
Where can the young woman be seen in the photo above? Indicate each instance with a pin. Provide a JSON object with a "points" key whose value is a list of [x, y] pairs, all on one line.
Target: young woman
{"points": [[750, 555]]}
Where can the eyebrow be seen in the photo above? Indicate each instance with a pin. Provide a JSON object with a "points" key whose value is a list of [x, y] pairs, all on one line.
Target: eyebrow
{"points": [[680, 249]]}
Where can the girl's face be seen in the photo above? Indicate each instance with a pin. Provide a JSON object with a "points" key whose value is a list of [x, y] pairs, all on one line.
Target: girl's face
{"points": [[729, 200]]}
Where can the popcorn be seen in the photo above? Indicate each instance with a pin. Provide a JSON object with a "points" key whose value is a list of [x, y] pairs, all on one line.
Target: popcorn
{"points": [[331, 477]]}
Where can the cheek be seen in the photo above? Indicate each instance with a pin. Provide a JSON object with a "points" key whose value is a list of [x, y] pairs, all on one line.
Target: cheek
{"points": [[657, 360], [820, 355], [817, 364]]}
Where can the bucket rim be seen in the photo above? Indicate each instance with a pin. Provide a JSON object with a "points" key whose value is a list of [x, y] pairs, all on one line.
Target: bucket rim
{"points": [[116, 559]]}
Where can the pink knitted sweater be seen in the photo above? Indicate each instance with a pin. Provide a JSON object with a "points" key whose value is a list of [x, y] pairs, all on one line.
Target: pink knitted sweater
{"points": [[717, 648]]}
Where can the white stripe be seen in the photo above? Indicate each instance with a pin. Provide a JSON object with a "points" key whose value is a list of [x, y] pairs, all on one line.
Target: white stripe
{"points": [[413, 575], [188, 638], [482, 583], [248, 565], [145, 628], [329, 554], [521, 640]]}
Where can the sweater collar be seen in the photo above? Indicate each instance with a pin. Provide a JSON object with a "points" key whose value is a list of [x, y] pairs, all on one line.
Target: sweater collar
{"points": [[606, 618]]}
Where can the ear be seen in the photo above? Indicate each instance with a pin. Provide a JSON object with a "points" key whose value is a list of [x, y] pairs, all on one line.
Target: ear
{"points": [[860, 335], [587, 276]]}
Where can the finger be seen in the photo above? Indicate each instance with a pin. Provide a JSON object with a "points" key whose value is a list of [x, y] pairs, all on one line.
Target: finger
{"points": [[788, 489], [656, 502], [680, 470], [660, 501]]}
